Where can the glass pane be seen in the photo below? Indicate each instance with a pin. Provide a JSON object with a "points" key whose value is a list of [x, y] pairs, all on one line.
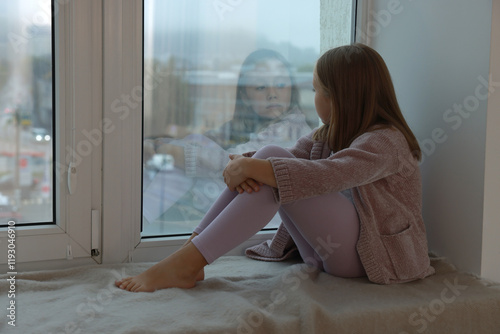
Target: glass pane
{"points": [[25, 111], [220, 77]]}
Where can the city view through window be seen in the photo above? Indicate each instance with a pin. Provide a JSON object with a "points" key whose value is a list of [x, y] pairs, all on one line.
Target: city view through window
{"points": [[26, 112]]}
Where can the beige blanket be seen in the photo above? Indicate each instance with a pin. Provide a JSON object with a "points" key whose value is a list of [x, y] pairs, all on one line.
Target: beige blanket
{"points": [[241, 295]]}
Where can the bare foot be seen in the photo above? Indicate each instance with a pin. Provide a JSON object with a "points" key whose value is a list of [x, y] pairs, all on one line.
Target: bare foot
{"points": [[180, 270]]}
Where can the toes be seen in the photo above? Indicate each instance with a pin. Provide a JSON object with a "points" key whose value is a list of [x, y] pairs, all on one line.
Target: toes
{"points": [[130, 284], [119, 282], [126, 284], [135, 286], [141, 287]]}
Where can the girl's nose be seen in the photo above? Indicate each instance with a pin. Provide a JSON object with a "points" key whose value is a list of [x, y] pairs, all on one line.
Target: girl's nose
{"points": [[272, 93]]}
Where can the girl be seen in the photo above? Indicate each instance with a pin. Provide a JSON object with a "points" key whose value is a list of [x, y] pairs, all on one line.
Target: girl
{"points": [[349, 194]]}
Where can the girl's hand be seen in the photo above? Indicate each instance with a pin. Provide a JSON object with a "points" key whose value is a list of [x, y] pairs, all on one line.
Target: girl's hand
{"points": [[249, 185], [248, 174], [235, 173]]}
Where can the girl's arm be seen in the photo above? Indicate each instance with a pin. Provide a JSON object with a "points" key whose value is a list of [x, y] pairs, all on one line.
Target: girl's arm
{"points": [[371, 157], [245, 174]]}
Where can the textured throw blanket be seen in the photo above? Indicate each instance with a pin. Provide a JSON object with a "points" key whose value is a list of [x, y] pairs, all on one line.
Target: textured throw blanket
{"points": [[240, 295]]}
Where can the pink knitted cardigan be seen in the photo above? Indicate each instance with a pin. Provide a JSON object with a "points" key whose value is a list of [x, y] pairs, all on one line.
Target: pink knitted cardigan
{"points": [[385, 184]]}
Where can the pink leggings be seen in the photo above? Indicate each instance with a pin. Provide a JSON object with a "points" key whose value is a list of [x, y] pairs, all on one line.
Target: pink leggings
{"points": [[325, 228]]}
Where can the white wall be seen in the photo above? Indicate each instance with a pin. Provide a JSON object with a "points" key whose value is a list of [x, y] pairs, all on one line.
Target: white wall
{"points": [[438, 53], [490, 265]]}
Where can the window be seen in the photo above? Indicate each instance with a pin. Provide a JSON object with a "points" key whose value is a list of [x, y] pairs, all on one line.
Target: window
{"points": [[141, 69], [110, 87], [50, 119], [26, 112], [219, 77]]}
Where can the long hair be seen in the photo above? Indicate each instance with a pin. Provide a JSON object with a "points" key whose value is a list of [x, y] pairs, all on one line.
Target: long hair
{"points": [[245, 119], [362, 95]]}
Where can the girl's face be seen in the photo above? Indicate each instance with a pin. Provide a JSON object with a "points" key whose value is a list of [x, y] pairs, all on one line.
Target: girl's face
{"points": [[268, 89], [322, 102]]}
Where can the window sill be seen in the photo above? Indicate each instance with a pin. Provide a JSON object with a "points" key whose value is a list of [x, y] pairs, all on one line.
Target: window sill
{"points": [[24, 231]]}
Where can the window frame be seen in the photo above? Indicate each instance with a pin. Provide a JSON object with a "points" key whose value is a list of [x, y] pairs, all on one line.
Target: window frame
{"points": [[77, 69]]}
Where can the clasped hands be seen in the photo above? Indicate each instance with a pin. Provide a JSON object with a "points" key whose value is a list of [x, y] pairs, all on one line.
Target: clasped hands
{"points": [[236, 175], [248, 174]]}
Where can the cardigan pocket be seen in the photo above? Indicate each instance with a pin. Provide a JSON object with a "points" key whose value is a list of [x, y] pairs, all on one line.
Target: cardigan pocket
{"points": [[407, 253]]}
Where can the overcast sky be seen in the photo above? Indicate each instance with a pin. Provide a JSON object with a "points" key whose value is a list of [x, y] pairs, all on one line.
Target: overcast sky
{"points": [[295, 21]]}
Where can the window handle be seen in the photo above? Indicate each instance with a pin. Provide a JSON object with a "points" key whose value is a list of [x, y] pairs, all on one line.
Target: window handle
{"points": [[72, 178]]}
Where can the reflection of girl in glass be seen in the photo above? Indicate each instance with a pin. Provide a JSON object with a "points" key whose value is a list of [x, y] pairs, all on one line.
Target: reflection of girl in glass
{"points": [[266, 112], [266, 94]]}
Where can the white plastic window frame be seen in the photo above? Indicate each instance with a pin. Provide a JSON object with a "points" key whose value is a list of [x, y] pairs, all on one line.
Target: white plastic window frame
{"points": [[78, 105], [122, 165]]}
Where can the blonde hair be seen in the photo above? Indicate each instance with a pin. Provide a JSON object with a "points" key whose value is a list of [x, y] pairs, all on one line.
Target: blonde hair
{"points": [[362, 95]]}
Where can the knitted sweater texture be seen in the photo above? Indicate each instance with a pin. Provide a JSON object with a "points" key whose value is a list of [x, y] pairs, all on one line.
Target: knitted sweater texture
{"points": [[385, 184]]}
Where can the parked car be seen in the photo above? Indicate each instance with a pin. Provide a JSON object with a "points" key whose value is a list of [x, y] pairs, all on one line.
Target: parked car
{"points": [[40, 134]]}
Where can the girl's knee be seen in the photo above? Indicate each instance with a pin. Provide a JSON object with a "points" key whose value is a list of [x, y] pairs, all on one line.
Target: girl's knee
{"points": [[269, 151]]}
